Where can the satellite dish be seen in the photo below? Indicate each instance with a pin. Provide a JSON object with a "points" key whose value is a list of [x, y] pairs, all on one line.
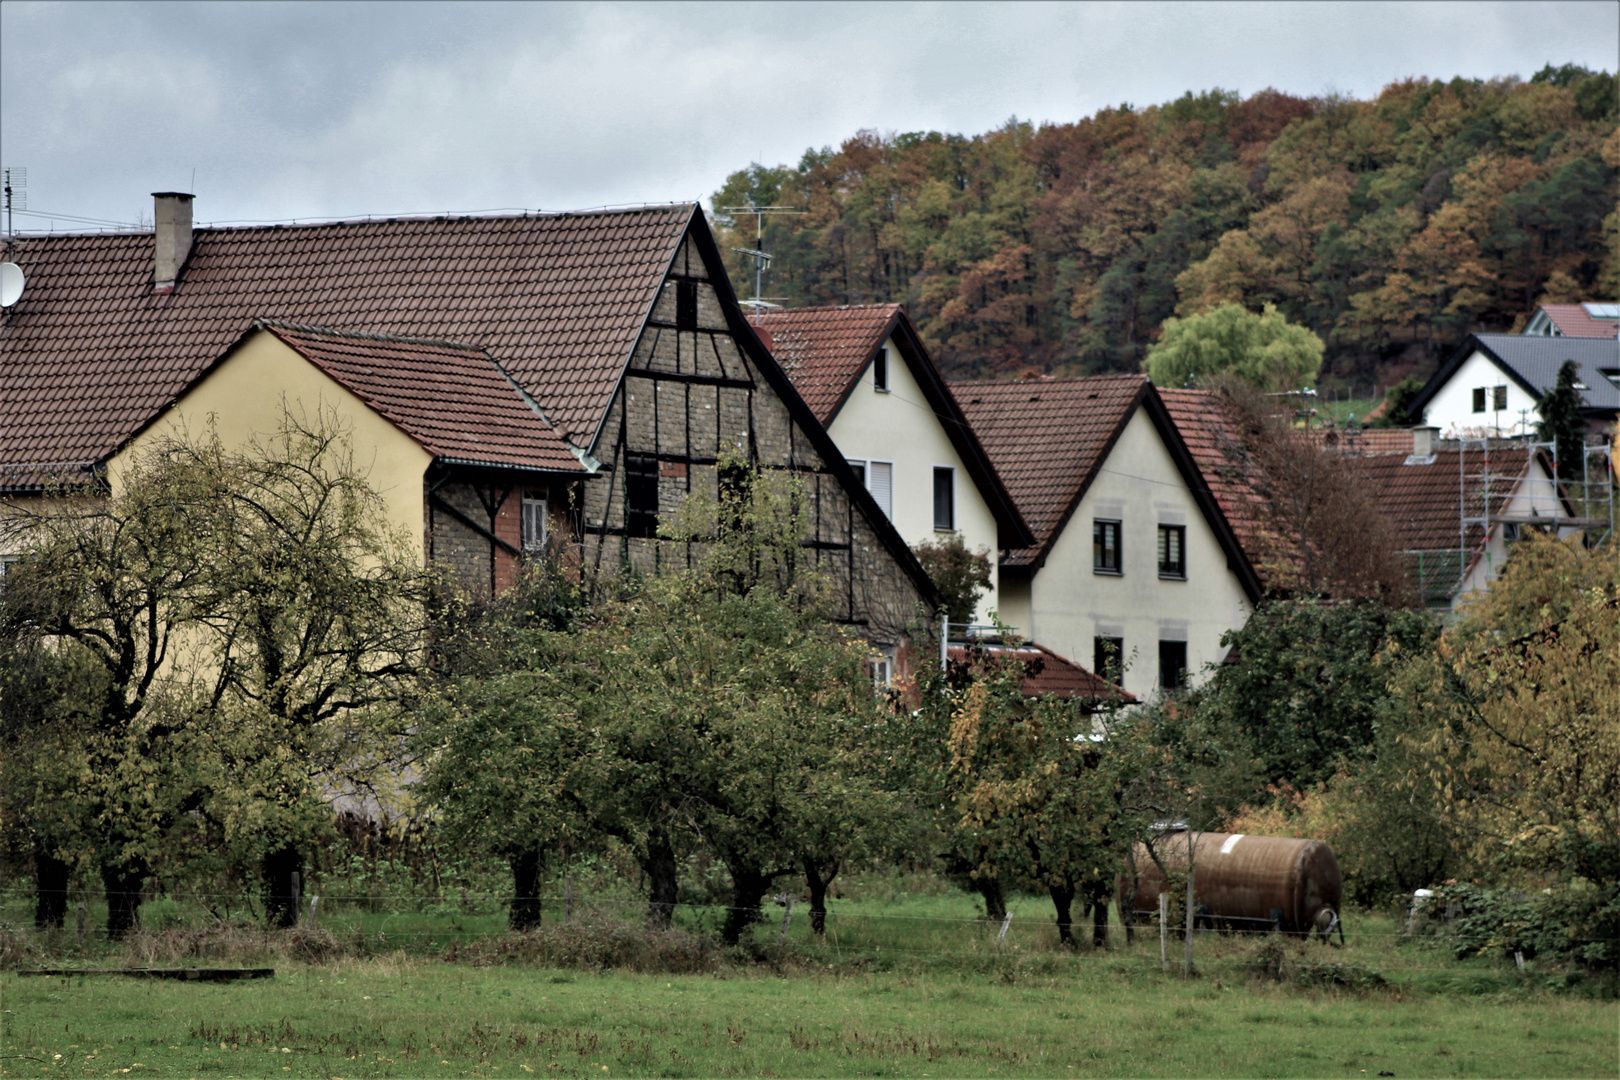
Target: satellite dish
{"points": [[11, 283]]}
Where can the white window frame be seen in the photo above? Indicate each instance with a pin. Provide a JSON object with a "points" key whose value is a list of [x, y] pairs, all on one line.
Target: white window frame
{"points": [[538, 505], [884, 499]]}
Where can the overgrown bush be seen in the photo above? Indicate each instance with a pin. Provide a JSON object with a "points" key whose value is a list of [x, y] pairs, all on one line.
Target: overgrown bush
{"points": [[595, 943], [1578, 923]]}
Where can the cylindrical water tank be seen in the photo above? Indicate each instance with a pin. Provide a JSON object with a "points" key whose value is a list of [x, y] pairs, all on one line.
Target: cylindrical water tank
{"points": [[1244, 882]]}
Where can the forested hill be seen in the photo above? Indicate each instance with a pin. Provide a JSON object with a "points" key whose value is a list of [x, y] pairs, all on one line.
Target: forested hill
{"points": [[1391, 227]]}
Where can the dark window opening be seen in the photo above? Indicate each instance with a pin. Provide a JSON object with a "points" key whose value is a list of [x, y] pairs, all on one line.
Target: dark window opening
{"points": [[640, 495], [880, 370], [1105, 554], [1173, 551], [1479, 399], [859, 468], [1499, 398], [945, 499], [1107, 658], [1172, 665], [734, 497], [686, 305]]}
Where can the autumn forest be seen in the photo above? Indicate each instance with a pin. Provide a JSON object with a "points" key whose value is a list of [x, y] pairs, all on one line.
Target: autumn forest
{"points": [[1391, 227]]}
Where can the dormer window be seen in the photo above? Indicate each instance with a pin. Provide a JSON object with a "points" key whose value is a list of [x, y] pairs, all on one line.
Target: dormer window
{"points": [[880, 371]]}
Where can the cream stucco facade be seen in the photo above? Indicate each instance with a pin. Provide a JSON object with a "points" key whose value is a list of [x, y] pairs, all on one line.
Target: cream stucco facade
{"points": [[1068, 604], [898, 427], [1452, 407], [246, 397]]}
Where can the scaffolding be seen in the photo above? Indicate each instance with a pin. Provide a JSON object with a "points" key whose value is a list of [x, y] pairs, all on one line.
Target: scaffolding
{"points": [[1491, 493]]}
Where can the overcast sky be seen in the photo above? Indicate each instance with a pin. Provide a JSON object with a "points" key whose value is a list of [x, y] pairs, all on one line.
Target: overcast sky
{"points": [[300, 111]]}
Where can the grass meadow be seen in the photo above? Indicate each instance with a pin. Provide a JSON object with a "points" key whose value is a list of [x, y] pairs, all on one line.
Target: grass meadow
{"points": [[904, 985]]}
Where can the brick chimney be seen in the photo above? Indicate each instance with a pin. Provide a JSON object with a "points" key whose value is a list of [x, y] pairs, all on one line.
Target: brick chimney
{"points": [[171, 215]]}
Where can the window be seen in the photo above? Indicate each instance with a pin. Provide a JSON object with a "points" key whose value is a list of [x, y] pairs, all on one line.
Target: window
{"points": [[882, 671], [880, 482], [1173, 551], [686, 305], [880, 370], [1479, 399], [1499, 398], [1107, 658], [944, 499], [860, 471], [1172, 665], [534, 521], [1105, 547], [640, 495]]}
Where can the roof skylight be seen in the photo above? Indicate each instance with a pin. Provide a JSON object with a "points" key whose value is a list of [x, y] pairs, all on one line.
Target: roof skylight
{"points": [[1602, 311]]}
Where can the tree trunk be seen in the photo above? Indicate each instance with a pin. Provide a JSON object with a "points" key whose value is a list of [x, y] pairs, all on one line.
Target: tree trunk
{"points": [[50, 890], [748, 888], [123, 882], [1063, 900], [1098, 897], [818, 895], [662, 884], [281, 902], [525, 912], [995, 901]]}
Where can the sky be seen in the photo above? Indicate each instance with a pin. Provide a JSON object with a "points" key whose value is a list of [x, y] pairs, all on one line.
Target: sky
{"points": [[304, 111]]}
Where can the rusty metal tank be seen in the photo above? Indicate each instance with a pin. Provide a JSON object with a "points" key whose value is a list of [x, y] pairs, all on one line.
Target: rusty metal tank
{"points": [[1244, 882]]}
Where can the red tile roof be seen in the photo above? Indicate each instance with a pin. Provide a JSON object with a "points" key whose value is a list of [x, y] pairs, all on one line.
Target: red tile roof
{"points": [[1047, 438], [825, 349], [1364, 441], [1232, 478], [1045, 672], [1573, 320], [452, 399], [89, 354], [1425, 504]]}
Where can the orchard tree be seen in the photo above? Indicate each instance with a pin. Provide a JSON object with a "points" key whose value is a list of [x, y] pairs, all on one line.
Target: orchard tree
{"points": [[1517, 716], [1265, 350]]}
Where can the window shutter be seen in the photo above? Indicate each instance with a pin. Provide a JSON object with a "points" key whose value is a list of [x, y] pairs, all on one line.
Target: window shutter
{"points": [[880, 482]]}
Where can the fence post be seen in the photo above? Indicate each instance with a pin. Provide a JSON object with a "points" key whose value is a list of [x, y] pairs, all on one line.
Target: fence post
{"points": [[1164, 931], [781, 938], [1003, 931], [314, 912]]}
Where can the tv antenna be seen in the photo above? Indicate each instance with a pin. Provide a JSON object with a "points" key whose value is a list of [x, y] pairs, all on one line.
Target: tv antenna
{"points": [[761, 259], [16, 193]]}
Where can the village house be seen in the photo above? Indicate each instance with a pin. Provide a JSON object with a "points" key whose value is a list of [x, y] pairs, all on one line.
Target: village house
{"points": [[865, 374], [1493, 383], [1575, 320], [508, 380], [1134, 566]]}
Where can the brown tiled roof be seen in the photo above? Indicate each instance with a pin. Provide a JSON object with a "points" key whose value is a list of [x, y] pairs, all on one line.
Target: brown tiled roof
{"points": [[1231, 477], [1048, 673], [825, 349], [452, 399], [90, 353], [1047, 438], [1364, 440], [1573, 320], [1426, 503]]}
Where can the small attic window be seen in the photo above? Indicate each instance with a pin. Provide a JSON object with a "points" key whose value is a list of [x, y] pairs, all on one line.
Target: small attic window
{"points": [[880, 370], [686, 305]]}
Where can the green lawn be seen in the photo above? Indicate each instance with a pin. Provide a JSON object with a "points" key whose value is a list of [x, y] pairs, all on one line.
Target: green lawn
{"points": [[903, 987]]}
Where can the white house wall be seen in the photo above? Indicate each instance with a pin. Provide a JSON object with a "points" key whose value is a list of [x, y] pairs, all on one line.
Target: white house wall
{"points": [[1069, 604], [1452, 407], [900, 426]]}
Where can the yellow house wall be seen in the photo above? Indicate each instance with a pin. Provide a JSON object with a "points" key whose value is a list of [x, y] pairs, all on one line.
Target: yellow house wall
{"points": [[1070, 604], [900, 426], [243, 398]]}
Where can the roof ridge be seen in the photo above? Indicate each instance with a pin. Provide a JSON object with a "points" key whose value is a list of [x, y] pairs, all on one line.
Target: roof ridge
{"points": [[365, 335]]}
